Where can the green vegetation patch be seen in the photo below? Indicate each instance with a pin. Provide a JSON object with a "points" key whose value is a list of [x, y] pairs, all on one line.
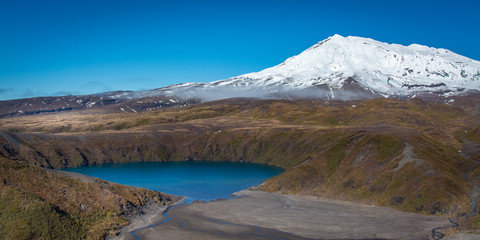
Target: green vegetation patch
{"points": [[122, 125], [387, 146], [335, 155], [24, 216], [476, 222]]}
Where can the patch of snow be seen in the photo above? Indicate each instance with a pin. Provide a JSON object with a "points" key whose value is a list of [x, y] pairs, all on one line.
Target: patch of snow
{"points": [[133, 110], [90, 104]]}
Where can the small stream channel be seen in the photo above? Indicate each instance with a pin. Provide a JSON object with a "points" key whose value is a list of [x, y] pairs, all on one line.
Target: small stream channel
{"points": [[165, 213]]}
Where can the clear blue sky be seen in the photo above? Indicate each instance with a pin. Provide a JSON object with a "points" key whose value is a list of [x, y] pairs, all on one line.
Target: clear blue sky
{"points": [[61, 47]]}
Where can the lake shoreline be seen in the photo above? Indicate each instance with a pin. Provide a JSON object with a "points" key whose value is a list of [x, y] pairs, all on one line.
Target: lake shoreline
{"points": [[152, 214], [227, 215], [261, 215]]}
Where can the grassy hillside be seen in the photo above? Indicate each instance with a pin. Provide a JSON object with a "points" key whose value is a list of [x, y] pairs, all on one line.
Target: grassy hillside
{"points": [[40, 204], [25, 216], [411, 155]]}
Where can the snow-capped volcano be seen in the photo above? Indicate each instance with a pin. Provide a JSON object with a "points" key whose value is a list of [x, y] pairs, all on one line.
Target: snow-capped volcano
{"points": [[388, 69], [345, 68]]}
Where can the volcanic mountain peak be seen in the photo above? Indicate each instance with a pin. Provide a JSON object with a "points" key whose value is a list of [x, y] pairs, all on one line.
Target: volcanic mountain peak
{"points": [[342, 68], [387, 69], [347, 68]]}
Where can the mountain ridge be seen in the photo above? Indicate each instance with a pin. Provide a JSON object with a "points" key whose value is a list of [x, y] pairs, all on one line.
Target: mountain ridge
{"points": [[385, 70], [337, 68]]}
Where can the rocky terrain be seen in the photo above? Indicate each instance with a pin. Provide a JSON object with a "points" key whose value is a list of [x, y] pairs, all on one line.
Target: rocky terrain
{"points": [[260, 215], [111, 102]]}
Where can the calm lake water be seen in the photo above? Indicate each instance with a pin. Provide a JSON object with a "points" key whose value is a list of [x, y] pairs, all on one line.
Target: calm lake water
{"points": [[198, 180]]}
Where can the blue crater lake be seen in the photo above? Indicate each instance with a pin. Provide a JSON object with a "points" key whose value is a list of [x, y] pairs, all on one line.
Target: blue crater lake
{"points": [[197, 180]]}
